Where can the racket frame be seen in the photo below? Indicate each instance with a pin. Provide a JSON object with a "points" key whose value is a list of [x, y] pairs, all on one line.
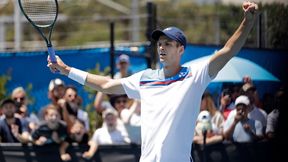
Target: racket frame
{"points": [[40, 29]]}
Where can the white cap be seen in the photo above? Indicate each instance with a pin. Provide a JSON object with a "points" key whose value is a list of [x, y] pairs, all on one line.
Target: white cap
{"points": [[242, 100], [204, 116], [54, 83]]}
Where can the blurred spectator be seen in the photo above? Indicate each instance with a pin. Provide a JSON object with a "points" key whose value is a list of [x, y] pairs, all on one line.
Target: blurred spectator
{"points": [[204, 129], [71, 108], [255, 112], [12, 129], [273, 116], [242, 128], [108, 134], [52, 131], [78, 133], [56, 90], [21, 100], [235, 92], [217, 119], [248, 81], [123, 63], [129, 114], [268, 102], [226, 105]]}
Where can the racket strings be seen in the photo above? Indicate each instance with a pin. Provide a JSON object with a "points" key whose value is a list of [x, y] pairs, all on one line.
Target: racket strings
{"points": [[41, 12]]}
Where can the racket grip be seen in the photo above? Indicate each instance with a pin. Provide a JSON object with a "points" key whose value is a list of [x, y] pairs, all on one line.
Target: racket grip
{"points": [[52, 56]]}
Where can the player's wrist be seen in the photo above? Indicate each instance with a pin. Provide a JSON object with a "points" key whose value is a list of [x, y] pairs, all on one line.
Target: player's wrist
{"points": [[77, 75], [66, 70]]}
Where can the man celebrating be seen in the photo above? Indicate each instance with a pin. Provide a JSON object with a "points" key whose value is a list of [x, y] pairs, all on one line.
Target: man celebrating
{"points": [[170, 96]]}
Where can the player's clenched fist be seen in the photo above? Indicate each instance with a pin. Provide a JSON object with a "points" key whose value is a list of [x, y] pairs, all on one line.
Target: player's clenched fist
{"points": [[250, 10]]}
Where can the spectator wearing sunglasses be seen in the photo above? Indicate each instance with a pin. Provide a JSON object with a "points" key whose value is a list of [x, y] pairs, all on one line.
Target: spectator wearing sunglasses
{"points": [[129, 112], [22, 112]]}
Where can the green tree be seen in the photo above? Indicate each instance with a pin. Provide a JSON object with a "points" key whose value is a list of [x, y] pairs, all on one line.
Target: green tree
{"points": [[4, 79]]}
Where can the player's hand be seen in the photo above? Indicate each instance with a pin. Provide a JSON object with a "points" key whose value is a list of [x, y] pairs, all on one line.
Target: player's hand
{"points": [[250, 10], [59, 66]]}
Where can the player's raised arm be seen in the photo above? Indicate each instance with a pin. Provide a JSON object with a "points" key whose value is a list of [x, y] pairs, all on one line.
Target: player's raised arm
{"points": [[236, 41], [99, 83]]}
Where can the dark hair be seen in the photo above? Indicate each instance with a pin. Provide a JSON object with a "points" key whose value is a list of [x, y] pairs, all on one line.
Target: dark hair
{"points": [[71, 87], [226, 91], [113, 98], [6, 101]]}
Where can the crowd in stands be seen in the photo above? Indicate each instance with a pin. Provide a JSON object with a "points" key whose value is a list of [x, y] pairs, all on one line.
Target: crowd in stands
{"points": [[238, 116]]}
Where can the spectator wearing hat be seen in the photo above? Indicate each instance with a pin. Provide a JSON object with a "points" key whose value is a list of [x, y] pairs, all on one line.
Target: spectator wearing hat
{"points": [[242, 128], [56, 90], [108, 134], [255, 112], [123, 63], [12, 129]]}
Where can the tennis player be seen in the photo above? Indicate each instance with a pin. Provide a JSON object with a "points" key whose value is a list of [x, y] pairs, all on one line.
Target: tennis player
{"points": [[170, 96]]}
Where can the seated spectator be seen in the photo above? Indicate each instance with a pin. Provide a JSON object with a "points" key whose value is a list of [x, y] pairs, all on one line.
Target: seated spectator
{"points": [[78, 133], [242, 128], [226, 104], [56, 90], [123, 64], [273, 116], [70, 104], [255, 112], [108, 134], [217, 118], [130, 115], [12, 129], [52, 131], [204, 129], [21, 99]]}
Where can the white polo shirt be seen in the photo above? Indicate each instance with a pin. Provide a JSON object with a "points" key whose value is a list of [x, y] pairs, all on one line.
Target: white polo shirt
{"points": [[169, 109]]}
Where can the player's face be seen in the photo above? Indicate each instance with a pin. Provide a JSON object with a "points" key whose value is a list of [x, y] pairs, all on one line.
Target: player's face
{"points": [[169, 51]]}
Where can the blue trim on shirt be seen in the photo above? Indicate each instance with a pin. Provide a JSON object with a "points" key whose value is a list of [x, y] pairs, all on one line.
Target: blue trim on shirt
{"points": [[182, 74]]}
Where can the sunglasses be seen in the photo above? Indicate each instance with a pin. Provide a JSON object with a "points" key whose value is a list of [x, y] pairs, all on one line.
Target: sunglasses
{"points": [[19, 98]]}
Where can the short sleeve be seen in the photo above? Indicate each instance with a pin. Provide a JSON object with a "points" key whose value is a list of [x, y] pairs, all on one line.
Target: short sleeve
{"points": [[131, 85]]}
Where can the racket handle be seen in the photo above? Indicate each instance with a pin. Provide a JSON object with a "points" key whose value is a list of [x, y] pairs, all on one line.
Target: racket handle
{"points": [[52, 56]]}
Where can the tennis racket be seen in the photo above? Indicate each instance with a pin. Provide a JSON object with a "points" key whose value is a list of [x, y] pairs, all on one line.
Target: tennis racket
{"points": [[42, 14]]}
